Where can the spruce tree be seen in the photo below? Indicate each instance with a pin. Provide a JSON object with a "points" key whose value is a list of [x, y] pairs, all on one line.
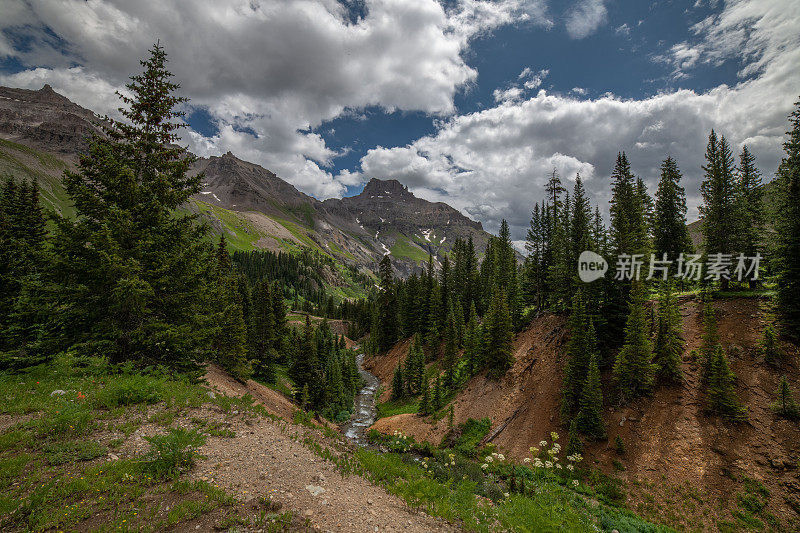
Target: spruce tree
{"points": [[633, 371], [450, 351], [578, 355], [669, 342], [720, 208], [132, 277], [785, 405], [228, 334], [425, 402], [671, 235], [398, 387], [787, 227], [438, 395], [751, 206], [387, 306], [472, 342], [574, 443], [498, 336], [263, 331], [590, 415], [773, 355], [721, 388]]}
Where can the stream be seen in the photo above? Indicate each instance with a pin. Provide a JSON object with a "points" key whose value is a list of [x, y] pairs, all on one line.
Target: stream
{"points": [[364, 415]]}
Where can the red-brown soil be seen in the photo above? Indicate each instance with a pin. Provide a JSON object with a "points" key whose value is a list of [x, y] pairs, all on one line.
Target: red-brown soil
{"points": [[674, 450]]}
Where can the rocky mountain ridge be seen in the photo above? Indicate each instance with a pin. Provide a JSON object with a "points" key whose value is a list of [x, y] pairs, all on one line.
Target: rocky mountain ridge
{"points": [[247, 201]]}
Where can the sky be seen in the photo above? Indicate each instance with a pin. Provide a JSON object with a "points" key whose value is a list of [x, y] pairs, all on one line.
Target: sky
{"points": [[470, 102]]}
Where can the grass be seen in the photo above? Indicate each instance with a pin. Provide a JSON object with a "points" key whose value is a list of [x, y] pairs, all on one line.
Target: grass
{"points": [[240, 234], [55, 469], [397, 407], [461, 493], [404, 248]]}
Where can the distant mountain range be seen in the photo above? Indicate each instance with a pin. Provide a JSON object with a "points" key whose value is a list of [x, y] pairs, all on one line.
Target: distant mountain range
{"points": [[42, 133]]}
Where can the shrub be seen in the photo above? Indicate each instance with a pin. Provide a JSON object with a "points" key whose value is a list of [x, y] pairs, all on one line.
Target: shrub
{"points": [[73, 451], [173, 452], [70, 419], [130, 389], [472, 433]]}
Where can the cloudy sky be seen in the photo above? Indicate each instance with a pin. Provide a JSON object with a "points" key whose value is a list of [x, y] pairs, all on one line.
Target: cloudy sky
{"points": [[472, 102]]}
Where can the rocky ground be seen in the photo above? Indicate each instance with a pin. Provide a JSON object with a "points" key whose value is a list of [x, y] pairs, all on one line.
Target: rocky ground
{"points": [[268, 459]]}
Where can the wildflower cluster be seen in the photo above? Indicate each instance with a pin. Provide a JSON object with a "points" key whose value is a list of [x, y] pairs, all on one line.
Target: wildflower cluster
{"points": [[400, 442]]}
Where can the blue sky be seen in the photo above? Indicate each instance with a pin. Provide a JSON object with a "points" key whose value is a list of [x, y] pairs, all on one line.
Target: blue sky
{"points": [[472, 102]]}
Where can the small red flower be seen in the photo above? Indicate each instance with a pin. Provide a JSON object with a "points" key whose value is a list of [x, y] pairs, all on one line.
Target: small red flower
{"points": [[81, 396]]}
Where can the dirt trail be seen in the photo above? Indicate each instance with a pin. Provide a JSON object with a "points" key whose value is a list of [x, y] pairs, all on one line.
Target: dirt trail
{"points": [[266, 459]]}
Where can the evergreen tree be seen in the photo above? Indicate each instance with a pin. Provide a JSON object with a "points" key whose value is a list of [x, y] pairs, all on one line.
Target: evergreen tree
{"points": [[498, 336], [450, 352], [751, 206], [773, 355], [787, 227], [436, 401], [719, 210], [574, 443], [425, 402], [22, 257], [590, 415], [721, 389], [633, 371], [472, 342], [228, 334], [387, 306], [398, 387], [671, 235], [578, 355], [785, 405], [669, 342], [263, 332], [130, 275]]}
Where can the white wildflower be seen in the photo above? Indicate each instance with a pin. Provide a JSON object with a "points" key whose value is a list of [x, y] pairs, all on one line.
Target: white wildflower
{"points": [[570, 468], [527, 460], [543, 444], [575, 482], [484, 466], [548, 464]]}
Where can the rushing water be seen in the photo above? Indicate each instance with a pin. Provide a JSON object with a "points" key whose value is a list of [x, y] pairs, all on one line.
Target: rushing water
{"points": [[364, 416]]}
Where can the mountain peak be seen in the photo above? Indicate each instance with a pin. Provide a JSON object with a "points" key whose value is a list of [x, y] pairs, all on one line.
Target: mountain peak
{"points": [[385, 188]]}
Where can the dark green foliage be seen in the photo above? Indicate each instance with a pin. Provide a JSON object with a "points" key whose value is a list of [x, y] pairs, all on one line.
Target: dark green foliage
{"points": [[773, 355], [262, 332], [619, 446], [787, 225], [578, 354], [227, 329], [130, 278], [470, 435], [173, 452], [425, 401], [751, 204], [633, 371], [387, 306], [450, 351], [671, 235], [720, 208], [669, 343], [22, 255], [398, 386], [438, 395], [721, 388], [472, 342], [574, 442], [590, 415], [497, 337], [415, 366], [785, 405]]}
